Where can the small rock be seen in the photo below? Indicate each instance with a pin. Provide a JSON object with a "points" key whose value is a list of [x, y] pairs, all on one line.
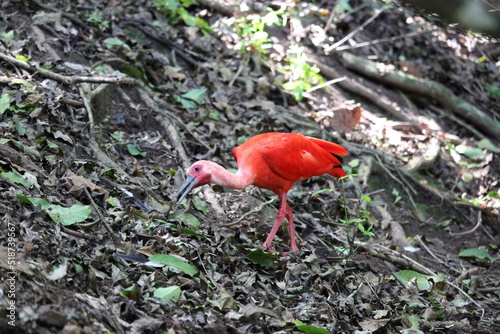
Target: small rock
{"points": [[215, 328], [47, 316]]}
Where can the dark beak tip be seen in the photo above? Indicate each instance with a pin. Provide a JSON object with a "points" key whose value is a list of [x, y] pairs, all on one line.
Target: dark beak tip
{"points": [[185, 188]]}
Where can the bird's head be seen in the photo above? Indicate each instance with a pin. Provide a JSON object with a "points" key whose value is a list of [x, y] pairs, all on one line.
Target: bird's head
{"points": [[198, 175]]}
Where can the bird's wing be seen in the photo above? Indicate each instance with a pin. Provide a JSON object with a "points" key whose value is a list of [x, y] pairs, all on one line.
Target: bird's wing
{"points": [[251, 145], [333, 148], [296, 157]]}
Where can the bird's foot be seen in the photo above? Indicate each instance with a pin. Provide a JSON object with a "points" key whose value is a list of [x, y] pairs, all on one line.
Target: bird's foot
{"points": [[294, 248], [266, 248]]}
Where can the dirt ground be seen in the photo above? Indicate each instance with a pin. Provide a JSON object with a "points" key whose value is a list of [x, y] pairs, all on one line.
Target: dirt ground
{"points": [[104, 105]]}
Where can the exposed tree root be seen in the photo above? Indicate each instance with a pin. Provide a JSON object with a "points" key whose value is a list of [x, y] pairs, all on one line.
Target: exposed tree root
{"points": [[432, 89]]}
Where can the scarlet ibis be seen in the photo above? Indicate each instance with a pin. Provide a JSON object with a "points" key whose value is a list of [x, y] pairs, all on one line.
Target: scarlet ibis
{"points": [[273, 161]]}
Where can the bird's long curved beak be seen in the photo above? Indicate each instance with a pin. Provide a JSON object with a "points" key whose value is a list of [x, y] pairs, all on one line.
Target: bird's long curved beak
{"points": [[186, 187]]}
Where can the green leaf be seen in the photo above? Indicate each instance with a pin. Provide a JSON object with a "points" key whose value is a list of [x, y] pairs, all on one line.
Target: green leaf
{"points": [[494, 92], [205, 27], [188, 219], [366, 198], [134, 150], [366, 232], [22, 82], [309, 328], [488, 145], [191, 99], [259, 256], [175, 262], [4, 103], [66, 216], [380, 314], [22, 58], [118, 136], [51, 144], [8, 36], [342, 6], [215, 115], [188, 19], [469, 151], [406, 276], [197, 95], [353, 163], [131, 292], [479, 254], [460, 302], [167, 294], [34, 201], [395, 193], [414, 321], [113, 42], [321, 191], [200, 205], [188, 104], [352, 220], [291, 85], [21, 125], [16, 178]]}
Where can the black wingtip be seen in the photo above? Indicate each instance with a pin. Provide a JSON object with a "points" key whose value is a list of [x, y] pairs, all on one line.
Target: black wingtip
{"points": [[339, 158]]}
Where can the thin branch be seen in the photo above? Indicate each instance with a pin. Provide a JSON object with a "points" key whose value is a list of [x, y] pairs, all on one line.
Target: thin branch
{"points": [[355, 31], [255, 210], [479, 223], [382, 40], [67, 80], [325, 84]]}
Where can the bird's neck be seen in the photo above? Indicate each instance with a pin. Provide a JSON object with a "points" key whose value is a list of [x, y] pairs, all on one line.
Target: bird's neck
{"points": [[225, 178]]}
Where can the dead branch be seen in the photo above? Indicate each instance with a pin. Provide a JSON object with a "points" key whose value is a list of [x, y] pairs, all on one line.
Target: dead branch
{"points": [[432, 89], [66, 80], [424, 161], [380, 40], [354, 87], [355, 31], [220, 8]]}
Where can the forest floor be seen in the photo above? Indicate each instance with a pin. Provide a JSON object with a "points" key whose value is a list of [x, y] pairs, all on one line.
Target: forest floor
{"points": [[103, 107]]}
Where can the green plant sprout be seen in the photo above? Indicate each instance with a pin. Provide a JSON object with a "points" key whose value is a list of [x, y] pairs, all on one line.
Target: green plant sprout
{"points": [[176, 10], [302, 75], [395, 193], [251, 29], [364, 215], [350, 221], [97, 20]]}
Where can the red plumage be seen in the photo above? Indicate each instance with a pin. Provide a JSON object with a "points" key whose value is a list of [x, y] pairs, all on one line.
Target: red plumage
{"points": [[273, 161]]}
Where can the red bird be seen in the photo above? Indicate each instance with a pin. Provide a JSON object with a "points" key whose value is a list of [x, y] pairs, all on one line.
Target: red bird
{"points": [[273, 161]]}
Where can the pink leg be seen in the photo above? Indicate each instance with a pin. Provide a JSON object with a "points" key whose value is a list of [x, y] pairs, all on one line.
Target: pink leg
{"points": [[274, 229], [291, 228], [284, 211]]}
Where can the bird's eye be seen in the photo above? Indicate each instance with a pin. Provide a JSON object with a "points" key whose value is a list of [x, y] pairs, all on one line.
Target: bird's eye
{"points": [[196, 169]]}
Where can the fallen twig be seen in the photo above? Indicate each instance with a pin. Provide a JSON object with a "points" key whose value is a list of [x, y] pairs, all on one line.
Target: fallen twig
{"points": [[479, 223], [254, 210], [380, 40], [355, 31], [67, 80]]}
